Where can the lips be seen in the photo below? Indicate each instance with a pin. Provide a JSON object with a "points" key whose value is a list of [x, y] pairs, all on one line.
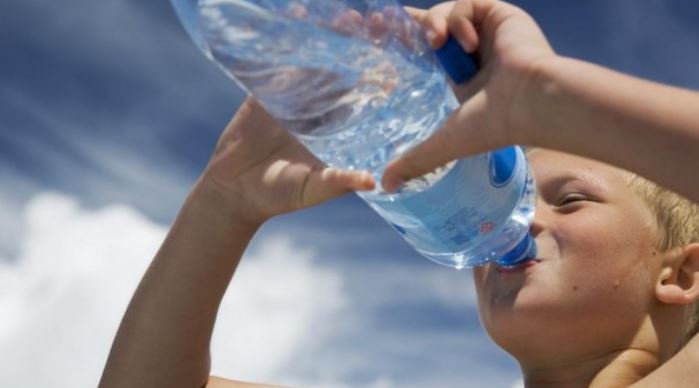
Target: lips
{"points": [[517, 268]]}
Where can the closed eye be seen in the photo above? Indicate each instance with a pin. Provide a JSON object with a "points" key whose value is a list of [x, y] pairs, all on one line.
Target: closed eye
{"points": [[572, 198]]}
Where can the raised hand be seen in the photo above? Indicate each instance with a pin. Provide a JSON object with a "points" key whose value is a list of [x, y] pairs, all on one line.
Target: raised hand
{"points": [[509, 45], [260, 170]]}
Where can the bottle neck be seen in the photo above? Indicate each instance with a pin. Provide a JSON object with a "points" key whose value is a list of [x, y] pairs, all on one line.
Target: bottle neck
{"points": [[524, 251]]}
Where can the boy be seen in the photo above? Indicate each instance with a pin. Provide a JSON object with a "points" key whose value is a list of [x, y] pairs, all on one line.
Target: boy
{"points": [[609, 302]]}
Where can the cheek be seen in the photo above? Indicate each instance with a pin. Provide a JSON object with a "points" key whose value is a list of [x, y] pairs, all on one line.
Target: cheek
{"points": [[604, 271], [604, 252], [596, 278], [590, 236]]}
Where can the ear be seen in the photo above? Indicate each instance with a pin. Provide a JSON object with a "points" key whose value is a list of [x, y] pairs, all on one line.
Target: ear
{"points": [[678, 282]]}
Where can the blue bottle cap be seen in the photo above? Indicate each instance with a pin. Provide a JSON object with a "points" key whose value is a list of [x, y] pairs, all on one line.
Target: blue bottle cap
{"points": [[525, 250], [460, 65]]}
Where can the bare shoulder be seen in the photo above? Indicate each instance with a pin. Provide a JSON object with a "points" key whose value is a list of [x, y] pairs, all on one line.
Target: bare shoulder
{"points": [[681, 371], [217, 382]]}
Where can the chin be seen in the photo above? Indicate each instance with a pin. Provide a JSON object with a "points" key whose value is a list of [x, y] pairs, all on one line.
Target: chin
{"points": [[537, 332], [526, 321], [530, 341], [517, 301]]}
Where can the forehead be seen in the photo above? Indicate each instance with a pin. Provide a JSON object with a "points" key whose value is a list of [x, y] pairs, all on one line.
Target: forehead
{"points": [[557, 166], [558, 172]]}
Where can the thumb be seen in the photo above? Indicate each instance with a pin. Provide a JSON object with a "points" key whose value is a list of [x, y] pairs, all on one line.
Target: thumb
{"points": [[464, 133], [328, 183]]}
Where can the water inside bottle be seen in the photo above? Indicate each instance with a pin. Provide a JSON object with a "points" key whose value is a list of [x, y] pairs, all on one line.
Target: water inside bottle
{"points": [[356, 105], [357, 102]]}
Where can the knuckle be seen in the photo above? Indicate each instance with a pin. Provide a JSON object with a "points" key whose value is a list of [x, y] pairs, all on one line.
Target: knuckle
{"points": [[409, 164], [435, 21]]}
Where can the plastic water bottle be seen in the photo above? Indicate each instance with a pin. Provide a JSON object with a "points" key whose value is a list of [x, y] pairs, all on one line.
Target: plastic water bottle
{"points": [[357, 83]]}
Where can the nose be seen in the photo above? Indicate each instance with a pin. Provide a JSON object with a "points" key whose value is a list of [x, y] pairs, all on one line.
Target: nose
{"points": [[540, 218], [536, 227]]}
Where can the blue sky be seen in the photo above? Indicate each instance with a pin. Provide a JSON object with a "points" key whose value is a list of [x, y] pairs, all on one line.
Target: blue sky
{"points": [[108, 113]]}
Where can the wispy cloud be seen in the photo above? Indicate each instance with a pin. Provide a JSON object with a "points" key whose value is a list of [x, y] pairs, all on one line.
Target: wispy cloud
{"points": [[108, 102], [288, 317], [16, 190]]}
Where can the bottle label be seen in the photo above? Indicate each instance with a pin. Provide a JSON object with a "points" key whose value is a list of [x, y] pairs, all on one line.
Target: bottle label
{"points": [[472, 200]]}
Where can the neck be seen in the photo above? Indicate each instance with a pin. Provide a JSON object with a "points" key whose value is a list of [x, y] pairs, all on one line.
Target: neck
{"points": [[621, 365], [614, 369]]}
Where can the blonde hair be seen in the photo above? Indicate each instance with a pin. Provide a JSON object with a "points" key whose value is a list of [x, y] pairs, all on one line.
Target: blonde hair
{"points": [[678, 219]]}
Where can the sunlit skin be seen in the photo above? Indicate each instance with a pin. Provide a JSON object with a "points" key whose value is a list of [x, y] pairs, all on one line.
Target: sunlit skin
{"points": [[591, 294]]}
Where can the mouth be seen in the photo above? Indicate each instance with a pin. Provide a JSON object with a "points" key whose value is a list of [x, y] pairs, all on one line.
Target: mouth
{"points": [[517, 268]]}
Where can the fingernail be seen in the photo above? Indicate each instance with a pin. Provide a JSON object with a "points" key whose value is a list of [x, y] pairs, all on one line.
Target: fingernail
{"points": [[328, 171], [470, 48], [391, 185], [369, 182], [464, 45]]}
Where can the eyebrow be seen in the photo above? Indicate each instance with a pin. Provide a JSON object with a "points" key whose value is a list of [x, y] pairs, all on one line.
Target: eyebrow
{"points": [[594, 184]]}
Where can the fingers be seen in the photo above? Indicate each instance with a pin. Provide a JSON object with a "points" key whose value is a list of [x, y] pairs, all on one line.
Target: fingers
{"points": [[349, 23], [252, 110], [250, 117], [415, 13], [400, 27], [435, 24], [297, 11], [460, 23], [463, 134], [377, 26], [250, 113], [448, 18], [328, 183]]}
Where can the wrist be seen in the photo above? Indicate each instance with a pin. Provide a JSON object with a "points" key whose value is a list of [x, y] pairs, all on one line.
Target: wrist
{"points": [[532, 94], [210, 200]]}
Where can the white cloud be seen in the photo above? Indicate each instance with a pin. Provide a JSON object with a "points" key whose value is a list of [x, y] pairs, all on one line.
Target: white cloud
{"points": [[289, 317], [66, 291], [276, 300], [63, 299]]}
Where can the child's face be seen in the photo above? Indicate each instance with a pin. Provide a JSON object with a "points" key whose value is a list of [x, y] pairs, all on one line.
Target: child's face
{"points": [[593, 285]]}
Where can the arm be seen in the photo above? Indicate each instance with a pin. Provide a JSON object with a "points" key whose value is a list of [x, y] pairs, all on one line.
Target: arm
{"points": [[526, 94], [164, 337], [641, 126], [257, 171]]}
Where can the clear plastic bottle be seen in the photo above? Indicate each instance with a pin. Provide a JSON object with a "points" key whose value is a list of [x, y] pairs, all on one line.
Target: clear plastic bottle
{"points": [[356, 82]]}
